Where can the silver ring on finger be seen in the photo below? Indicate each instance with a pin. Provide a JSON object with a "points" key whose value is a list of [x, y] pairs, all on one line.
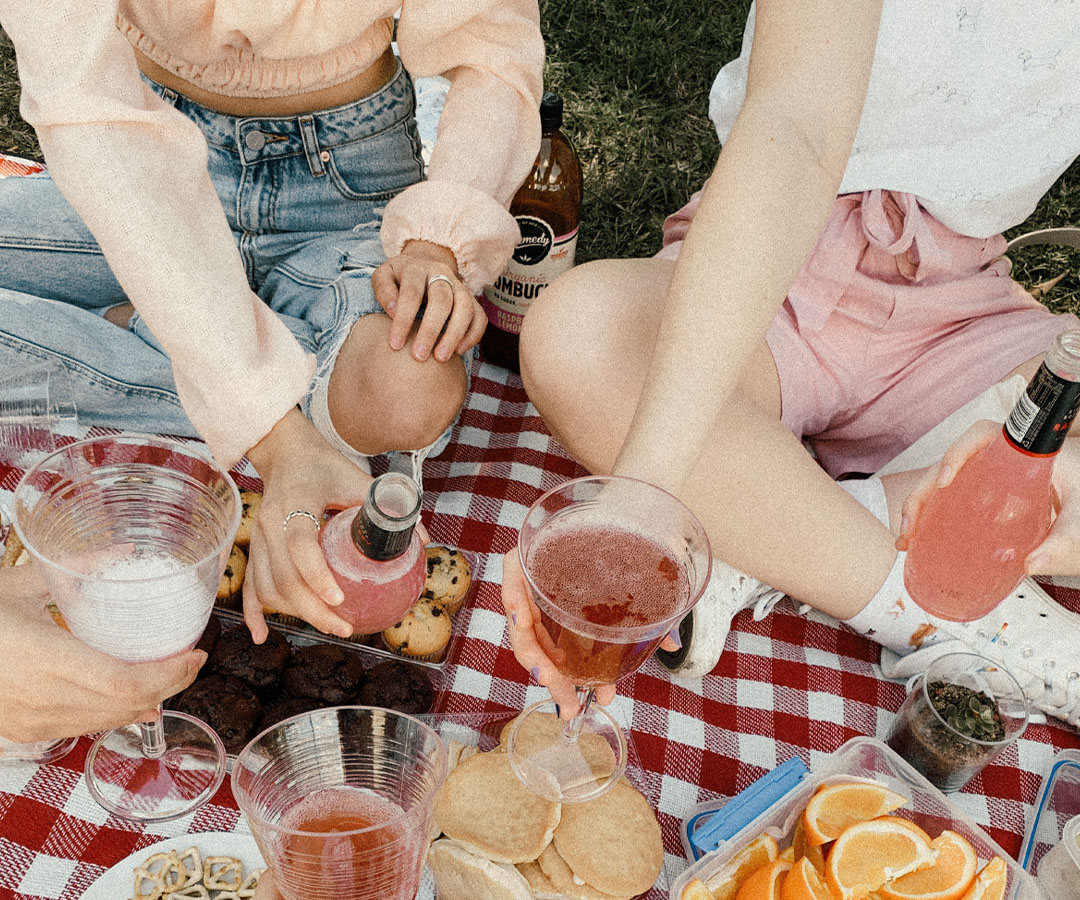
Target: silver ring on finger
{"points": [[436, 278], [303, 513]]}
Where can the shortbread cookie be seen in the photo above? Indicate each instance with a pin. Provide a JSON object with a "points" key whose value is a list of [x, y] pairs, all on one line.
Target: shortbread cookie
{"points": [[561, 876], [423, 632], [448, 578], [230, 588], [622, 822], [250, 500], [461, 874], [541, 886], [589, 758], [484, 805]]}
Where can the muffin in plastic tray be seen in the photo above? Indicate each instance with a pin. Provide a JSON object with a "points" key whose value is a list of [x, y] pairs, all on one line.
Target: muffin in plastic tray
{"points": [[482, 730], [1051, 850], [866, 759]]}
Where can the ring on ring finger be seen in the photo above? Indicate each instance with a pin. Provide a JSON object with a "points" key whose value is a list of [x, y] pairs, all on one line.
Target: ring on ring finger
{"points": [[436, 278], [302, 513]]}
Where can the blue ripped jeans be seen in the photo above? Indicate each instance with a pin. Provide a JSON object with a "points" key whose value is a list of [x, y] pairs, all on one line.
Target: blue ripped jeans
{"points": [[304, 196]]}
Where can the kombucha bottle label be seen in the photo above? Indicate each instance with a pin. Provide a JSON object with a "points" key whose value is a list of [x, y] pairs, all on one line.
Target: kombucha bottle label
{"points": [[1041, 418], [538, 260]]}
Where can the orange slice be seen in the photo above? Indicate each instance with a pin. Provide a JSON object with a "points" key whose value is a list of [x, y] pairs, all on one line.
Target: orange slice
{"points": [[836, 807], [990, 882], [696, 890], [869, 854], [788, 853], [946, 879], [815, 854], [761, 851], [766, 883], [906, 823], [804, 883]]}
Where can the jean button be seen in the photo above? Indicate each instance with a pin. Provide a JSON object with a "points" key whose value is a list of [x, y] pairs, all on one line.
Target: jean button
{"points": [[255, 140]]}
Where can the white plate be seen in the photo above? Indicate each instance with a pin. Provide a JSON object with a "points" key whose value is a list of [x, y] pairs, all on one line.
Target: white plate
{"points": [[117, 883]]}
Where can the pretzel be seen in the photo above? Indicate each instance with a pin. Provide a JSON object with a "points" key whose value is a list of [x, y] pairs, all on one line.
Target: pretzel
{"points": [[181, 871], [191, 892], [142, 875], [247, 889], [222, 873]]}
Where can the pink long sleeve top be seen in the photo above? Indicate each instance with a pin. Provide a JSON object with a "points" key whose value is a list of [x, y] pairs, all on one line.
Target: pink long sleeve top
{"points": [[135, 168]]}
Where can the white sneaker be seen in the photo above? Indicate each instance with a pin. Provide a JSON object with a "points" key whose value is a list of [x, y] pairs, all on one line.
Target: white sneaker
{"points": [[1030, 634], [704, 630]]}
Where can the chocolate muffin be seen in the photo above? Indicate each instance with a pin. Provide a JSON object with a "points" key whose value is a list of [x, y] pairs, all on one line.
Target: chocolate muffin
{"points": [[398, 686], [325, 672], [286, 707], [260, 666], [227, 705]]}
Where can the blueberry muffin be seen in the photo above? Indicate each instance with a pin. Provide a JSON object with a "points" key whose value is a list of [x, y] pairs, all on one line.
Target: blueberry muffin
{"points": [[422, 634], [448, 578], [398, 686], [260, 666], [230, 588], [325, 672], [250, 501], [227, 705]]}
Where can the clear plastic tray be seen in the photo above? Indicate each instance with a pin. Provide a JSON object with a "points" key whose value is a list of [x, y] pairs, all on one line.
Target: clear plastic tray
{"points": [[482, 730], [866, 758], [1055, 822]]}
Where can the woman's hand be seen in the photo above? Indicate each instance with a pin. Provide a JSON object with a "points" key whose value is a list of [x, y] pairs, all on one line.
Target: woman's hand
{"points": [[428, 271], [532, 645], [286, 569], [54, 686], [1059, 554]]}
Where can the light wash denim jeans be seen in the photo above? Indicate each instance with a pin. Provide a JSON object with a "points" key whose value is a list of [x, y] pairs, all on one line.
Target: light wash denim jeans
{"points": [[304, 196]]}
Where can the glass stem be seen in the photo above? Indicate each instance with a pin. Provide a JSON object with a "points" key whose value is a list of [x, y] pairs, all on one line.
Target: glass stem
{"points": [[153, 737], [572, 729]]}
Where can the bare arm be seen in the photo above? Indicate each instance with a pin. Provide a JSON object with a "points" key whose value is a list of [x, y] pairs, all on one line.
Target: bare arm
{"points": [[762, 210]]}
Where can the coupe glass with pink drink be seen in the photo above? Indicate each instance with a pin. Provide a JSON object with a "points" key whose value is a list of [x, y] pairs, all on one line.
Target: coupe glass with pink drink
{"points": [[339, 801], [132, 535], [613, 564]]}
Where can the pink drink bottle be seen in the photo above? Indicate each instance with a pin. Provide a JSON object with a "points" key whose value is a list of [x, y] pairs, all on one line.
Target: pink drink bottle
{"points": [[376, 555], [970, 541]]}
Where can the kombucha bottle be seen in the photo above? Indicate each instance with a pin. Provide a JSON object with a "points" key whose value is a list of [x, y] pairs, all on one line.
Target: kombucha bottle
{"points": [[970, 541], [547, 207], [375, 554]]}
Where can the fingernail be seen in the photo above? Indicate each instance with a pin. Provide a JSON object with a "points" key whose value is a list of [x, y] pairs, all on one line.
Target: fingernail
{"points": [[944, 476], [513, 618], [396, 342], [558, 715], [420, 352], [442, 355], [199, 659], [675, 638], [334, 598], [344, 631], [390, 307], [905, 521], [535, 673]]}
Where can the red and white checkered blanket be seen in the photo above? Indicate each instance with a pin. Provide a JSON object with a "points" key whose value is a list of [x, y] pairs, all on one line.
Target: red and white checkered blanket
{"points": [[785, 686]]}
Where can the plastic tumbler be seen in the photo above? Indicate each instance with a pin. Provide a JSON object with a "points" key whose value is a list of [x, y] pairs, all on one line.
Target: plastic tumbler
{"points": [[339, 801], [37, 405]]}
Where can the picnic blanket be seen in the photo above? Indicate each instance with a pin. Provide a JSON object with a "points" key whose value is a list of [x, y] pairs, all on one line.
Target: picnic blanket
{"points": [[788, 685]]}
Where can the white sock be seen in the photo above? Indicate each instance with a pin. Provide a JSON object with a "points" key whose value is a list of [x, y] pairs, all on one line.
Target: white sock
{"points": [[891, 617]]}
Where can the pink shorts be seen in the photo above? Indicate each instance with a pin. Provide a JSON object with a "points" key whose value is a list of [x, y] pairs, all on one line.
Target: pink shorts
{"points": [[893, 323]]}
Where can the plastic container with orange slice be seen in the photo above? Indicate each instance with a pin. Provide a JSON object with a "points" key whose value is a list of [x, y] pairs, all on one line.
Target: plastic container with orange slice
{"points": [[1051, 851], [864, 823]]}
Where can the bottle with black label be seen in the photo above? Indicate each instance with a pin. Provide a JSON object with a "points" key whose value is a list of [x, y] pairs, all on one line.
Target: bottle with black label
{"points": [[972, 537], [547, 207]]}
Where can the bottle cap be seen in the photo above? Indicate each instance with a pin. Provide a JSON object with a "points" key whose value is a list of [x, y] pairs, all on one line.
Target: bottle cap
{"points": [[551, 108], [383, 527]]}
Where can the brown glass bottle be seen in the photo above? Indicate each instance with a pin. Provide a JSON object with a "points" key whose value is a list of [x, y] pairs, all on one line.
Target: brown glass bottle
{"points": [[547, 207]]}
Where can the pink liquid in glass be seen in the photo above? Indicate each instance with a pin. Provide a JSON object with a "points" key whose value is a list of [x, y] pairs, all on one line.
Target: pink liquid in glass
{"points": [[971, 538], [377, 593], [339, 853], [609, 576]]}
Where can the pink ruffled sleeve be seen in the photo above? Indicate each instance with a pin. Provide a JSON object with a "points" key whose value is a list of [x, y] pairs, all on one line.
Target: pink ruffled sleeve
{"points": [[135, 170], [492, 53]]}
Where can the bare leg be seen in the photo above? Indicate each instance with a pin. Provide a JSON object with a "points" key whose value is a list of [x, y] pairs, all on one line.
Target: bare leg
{"points": [[769, 509], [381, 399]]}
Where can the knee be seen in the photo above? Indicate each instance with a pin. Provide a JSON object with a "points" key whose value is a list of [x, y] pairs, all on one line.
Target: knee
{"points": [[381, 399], [563, 329]]}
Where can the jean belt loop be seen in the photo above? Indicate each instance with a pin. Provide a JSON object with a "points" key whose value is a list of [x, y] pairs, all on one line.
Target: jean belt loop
{"points": [[311, 146]]}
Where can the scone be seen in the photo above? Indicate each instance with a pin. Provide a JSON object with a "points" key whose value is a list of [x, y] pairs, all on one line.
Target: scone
{"points": [[422, 634], [250, 501], [230, 588], [448, 578]]}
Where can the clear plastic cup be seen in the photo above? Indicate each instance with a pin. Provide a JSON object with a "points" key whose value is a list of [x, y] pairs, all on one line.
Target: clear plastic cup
{"points": [[37, 406], [339, 801]]}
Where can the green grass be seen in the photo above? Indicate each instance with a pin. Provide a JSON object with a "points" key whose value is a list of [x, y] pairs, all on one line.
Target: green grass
{"points": [[635, 78]]}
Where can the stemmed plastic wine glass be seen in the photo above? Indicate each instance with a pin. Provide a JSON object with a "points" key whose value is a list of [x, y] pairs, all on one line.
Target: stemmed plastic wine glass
{"points": [[613, 564], [133, 534]]}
